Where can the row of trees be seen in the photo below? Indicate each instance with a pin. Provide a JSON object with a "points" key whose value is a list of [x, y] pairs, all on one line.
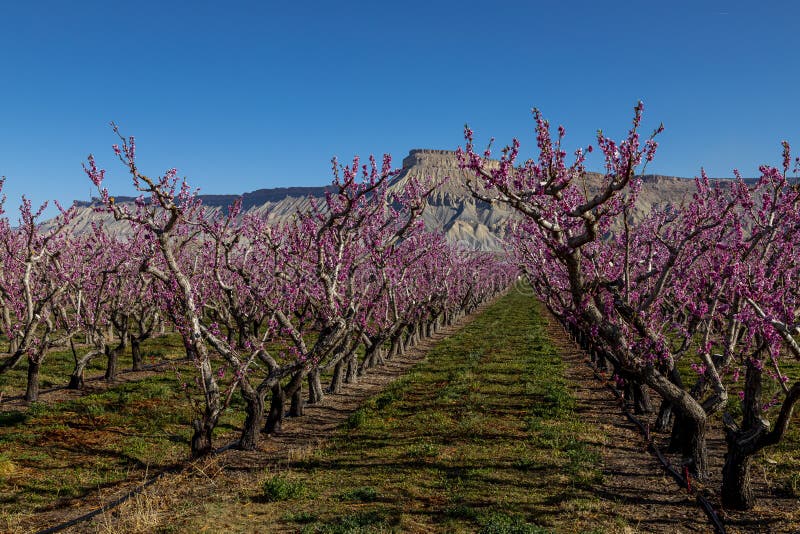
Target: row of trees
{"points": [[263, 307], [709, 285]]}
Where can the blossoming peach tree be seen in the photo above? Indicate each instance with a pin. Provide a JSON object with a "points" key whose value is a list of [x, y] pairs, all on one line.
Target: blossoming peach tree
{"points": [[263, 306], [709, 284]]}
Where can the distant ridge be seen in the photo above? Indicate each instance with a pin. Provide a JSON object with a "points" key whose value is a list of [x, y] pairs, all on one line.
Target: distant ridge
{"points": [[451, 208], [249, 200]]}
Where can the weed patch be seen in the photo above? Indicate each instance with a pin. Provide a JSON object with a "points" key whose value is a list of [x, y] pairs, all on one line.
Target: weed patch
{"points": [[357, 418], [357, 523], [500, 523], [280, 488]]}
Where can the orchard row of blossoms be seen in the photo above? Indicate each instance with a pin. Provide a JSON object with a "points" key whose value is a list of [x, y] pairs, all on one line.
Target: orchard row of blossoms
{"points": [[265, 309], [709, 285]]}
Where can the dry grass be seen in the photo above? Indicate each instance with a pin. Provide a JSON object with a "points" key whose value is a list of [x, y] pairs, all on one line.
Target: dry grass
{"points": [[7, 467], [156, 508], [144, 512]]}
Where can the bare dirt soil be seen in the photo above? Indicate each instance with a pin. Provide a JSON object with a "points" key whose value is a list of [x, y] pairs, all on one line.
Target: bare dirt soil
{"points": [[646, 495]]}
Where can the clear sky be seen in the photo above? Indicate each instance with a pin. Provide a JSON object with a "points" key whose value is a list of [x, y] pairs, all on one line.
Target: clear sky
{"points": [[240, 96]]}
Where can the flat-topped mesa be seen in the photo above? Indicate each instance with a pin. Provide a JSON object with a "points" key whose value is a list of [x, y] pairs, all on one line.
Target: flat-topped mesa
{"points": [[431, 157], [659, 179]]}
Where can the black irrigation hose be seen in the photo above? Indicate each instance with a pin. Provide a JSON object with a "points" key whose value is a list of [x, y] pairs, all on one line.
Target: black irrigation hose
{"points": [[118, 501], [106, 507], [704, 503]]}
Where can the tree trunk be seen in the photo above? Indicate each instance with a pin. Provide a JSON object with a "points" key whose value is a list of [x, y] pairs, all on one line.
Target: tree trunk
{"points": [[689, 439], [737, 491], [396, 343], [627, 392], [113, 359], [667, 412], [602, 362], [373, 358], [338, 377], [351, 376], [689, 430], [743, 443], [136, 354], [277, 407], [201, 439], [32, 390], [254, 418], [315, 391], [204, 428], [368, 362], [191, 353], [76, 381], [664, 419], [641, 399], [297, 409], [111, 368]]}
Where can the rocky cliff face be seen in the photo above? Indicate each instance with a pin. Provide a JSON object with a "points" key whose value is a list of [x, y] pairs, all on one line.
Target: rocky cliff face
{"points": [[451, 208]]}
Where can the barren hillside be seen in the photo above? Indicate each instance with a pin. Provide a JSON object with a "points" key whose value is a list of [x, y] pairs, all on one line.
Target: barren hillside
{"points": [[451, 208]]}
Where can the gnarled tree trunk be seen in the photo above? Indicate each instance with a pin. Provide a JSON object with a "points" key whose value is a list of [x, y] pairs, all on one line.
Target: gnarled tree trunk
{"points": [[32, 389], [201, 439], [113, 360], [298, 407], [351, 376], [665, 412], [315, 392], [338, 377], [136, 354], [76, 380], [254, 416], [277, 407], [743, 443]]}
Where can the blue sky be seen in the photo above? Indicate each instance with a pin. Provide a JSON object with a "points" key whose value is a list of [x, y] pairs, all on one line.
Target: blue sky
{"points": [[240, 96]]}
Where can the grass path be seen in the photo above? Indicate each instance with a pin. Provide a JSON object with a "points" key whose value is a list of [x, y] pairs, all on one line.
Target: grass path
{"points": [[482, 436]]}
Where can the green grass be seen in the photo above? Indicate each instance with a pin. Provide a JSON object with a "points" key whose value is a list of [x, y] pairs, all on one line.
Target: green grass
{"points": [[57, 452], [73, 448], [282, 488], [59, 364], [481, 437]]}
